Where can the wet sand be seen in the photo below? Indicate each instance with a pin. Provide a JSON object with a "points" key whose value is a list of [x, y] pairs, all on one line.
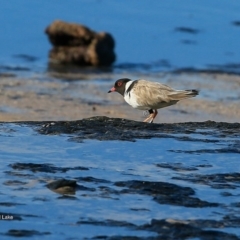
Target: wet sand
{"points": [[48, 98]]}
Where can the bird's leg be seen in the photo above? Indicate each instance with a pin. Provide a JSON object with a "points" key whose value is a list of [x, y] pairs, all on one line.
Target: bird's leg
{"points": [[152, 115]]}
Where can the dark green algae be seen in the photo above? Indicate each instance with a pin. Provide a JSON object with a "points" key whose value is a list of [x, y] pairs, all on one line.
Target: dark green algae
{"points": [[104, 128]]}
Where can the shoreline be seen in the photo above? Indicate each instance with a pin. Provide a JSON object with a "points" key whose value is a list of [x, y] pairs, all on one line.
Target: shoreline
{"points": [[43, 98]]}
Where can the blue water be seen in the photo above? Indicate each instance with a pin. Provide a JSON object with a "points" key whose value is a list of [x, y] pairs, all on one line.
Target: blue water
{"points": [[145, 32], [43, 210]]}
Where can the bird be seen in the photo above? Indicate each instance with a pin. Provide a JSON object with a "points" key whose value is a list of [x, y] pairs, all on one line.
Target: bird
{"points": [[147, 95]]}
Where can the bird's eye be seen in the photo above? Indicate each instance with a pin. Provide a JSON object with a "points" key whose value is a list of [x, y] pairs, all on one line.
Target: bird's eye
{"points": [[119, 84]]}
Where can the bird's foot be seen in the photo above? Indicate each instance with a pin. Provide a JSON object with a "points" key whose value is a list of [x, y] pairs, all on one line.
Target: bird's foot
{"points": [[151, 117]]}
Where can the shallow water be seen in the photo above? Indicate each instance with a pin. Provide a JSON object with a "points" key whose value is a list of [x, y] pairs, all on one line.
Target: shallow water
{"points": [[123, 188], [115, 178], [157, 36]]}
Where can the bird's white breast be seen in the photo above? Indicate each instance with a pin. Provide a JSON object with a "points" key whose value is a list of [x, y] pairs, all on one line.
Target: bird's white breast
{"points": [[131, 98]]}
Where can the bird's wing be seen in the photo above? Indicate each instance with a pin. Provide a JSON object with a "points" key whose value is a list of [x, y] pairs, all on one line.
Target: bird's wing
{"points": [[152, 93]]}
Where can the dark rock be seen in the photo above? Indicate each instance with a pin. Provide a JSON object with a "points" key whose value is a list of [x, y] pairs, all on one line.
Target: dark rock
{"points": [[25, 57], [43, 167], [140, 209], [236, 23], [169, 229], [62, 183], [108, 222], [153, 188], [25, 233], [77, 44], [123, 238], [165, 193], [182, 200], [226, 194], [187, 30], [69, 34], [217, 181], [176, 167], [10, 204], [14, 183], [104, 128], [64, 186], [178, 229], [92, 179]]}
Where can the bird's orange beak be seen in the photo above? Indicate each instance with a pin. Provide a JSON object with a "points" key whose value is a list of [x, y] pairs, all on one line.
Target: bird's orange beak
{"points": [[113, 89]]}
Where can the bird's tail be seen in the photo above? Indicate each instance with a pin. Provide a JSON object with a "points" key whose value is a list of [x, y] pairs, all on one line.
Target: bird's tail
{"points": [[183, 94], [192, 93]]}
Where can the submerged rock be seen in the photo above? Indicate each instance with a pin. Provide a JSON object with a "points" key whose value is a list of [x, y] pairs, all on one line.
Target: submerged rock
{"points": [[43, 167], [178, 229], [77, 44], [25, 233], [63, 186], [165, 193]]}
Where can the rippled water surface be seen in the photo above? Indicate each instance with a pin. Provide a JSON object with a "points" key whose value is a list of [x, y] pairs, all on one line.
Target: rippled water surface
{"points": [[119, 188]]}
